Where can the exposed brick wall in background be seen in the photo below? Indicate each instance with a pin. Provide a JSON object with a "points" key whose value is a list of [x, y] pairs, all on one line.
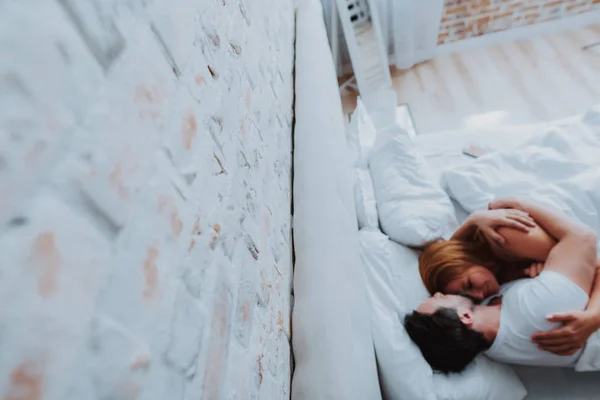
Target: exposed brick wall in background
{"points": [[463, 19], [145, 153]]}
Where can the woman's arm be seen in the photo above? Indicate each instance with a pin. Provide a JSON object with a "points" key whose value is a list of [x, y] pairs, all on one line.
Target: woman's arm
{"points": [[488, 222], [534, 245], [556, 224]]}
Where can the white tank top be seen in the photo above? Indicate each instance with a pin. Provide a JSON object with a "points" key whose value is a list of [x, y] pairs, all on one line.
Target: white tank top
{"points": [[526, 303]]}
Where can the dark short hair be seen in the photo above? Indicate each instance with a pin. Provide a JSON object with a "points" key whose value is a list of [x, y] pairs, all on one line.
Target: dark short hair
{"points": [[447, 344]]}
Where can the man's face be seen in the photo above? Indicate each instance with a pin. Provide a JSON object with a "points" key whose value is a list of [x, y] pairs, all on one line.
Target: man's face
{"points": [[459, 303]]}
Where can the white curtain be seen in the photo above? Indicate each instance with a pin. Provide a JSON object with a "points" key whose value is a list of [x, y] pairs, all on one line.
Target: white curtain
{"points": [[410, 27], [415, 27]]}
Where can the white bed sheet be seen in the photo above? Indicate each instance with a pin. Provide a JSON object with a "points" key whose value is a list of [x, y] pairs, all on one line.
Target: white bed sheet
{"points": [[442, 150]]}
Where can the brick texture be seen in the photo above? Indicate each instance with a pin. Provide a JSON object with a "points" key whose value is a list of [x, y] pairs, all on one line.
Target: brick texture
{"points": [[463, 19], [145, 180]]}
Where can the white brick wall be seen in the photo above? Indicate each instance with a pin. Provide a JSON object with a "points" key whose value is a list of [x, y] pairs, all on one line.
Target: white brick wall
{"points": [[145, 153]]}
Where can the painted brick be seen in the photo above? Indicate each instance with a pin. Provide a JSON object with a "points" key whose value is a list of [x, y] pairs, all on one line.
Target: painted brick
{"points": [[120, 361], [503, 14], [145, 172], [53, 267], [214, 371], [185, 337], [54, 43]]}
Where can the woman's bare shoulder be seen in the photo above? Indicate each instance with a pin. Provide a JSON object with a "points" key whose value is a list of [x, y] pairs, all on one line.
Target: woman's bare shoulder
{"points": [[535, 244]]}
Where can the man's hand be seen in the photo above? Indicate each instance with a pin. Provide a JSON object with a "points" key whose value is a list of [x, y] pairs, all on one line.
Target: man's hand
{"points": [[577, 327]]}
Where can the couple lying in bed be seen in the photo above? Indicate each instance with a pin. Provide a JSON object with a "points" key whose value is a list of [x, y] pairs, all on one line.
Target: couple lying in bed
{"points": [[517, 282]]}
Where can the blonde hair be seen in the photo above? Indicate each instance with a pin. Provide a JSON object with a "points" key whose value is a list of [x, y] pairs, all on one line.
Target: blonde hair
{"points": [[442, 262]]}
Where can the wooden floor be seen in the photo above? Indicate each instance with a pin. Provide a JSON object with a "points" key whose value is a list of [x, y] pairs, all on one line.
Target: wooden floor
{"points": [[532, 81]]}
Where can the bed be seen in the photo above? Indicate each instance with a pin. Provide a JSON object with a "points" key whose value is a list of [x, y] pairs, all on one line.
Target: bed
{"points": [[346, 337]]}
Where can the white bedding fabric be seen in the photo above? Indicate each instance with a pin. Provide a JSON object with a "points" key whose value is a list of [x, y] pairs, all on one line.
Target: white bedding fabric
{"points": [[364, 198], [361, 138], [413, 210], [331, 333], [590, 359], [361, 135], [560, 167]]}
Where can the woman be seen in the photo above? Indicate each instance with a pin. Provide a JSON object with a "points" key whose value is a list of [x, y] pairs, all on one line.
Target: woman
{"points": [[497, 246]]}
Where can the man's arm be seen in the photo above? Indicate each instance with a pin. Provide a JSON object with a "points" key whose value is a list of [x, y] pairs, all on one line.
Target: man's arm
{"points": [[574, 256], [575, 253], [577, 326]]}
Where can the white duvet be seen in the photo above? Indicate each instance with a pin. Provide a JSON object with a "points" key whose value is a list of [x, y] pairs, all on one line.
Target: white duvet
{"points": [[559, 167]]}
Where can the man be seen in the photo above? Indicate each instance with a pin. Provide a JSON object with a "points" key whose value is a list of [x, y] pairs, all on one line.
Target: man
{"points": [[451, 330]]}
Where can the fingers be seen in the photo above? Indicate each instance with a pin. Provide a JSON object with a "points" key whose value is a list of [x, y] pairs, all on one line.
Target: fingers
{"points": [[521, 217], [496, 204], [553, 336], [561, 318], [495, 236], [555, 342], [563, 350], [516, 224], [534, 270], [520, 213], [552, 340], [530, 272], [568, 352]]}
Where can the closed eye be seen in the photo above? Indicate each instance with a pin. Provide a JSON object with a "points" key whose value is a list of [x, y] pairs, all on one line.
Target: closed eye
{"points": [[468, 285]]}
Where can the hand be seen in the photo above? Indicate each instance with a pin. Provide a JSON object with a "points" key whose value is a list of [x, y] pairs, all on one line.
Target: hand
{"points": [[572, 336], [489, 221], [534, 270], [506, 202]]}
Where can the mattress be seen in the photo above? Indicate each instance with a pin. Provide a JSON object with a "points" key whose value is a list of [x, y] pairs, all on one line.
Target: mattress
{"points": [[443, 150]]}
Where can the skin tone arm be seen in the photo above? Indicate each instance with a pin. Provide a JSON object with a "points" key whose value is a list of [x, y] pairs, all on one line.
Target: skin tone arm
{"points": [[534, 245], [489, 221], [526, 252], [513, 236], [575, 257], [577, 327], [575, 253]]}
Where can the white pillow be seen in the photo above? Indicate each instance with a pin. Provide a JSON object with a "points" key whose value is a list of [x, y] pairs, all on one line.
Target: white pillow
{"points": [[412, 209], [364, 197], [361, 135], [395, 288], [361, 138]]}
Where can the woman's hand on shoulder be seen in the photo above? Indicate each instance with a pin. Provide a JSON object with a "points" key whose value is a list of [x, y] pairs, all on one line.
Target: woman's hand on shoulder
{"points": [[489, 221]]}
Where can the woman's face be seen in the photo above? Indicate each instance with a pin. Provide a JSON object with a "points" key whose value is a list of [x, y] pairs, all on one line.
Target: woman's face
{"points": [[477, 281]]}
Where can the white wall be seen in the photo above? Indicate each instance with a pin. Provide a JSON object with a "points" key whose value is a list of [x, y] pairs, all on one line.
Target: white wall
{"points": [[145, 152]]}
